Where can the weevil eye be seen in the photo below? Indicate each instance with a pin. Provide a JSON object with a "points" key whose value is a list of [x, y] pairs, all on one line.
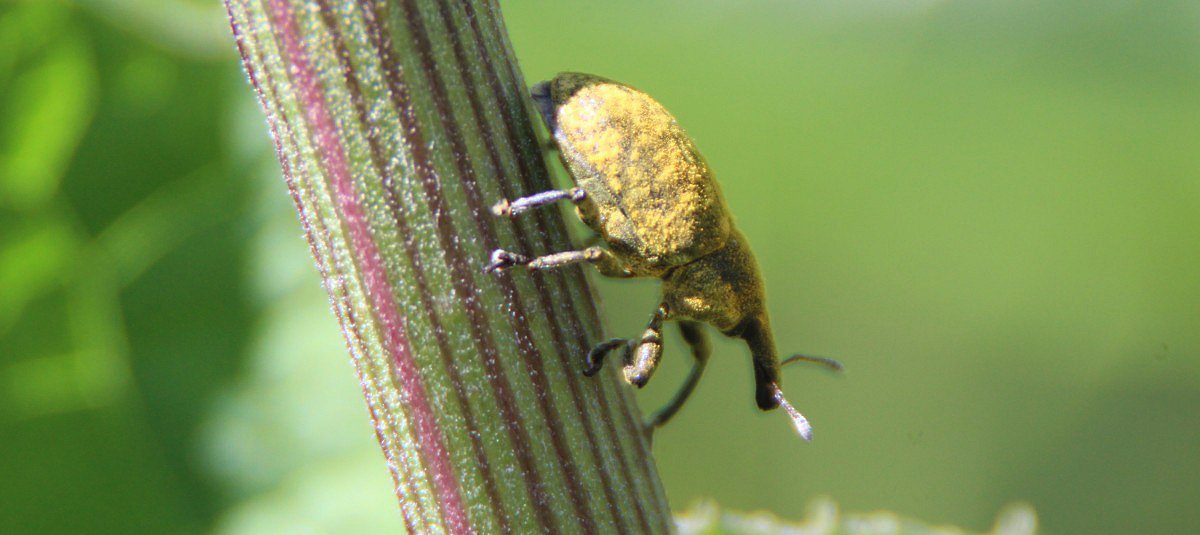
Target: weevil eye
{"points": [[540, 92]]}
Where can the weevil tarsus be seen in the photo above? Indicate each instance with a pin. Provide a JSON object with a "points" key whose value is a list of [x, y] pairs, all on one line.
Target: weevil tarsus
{"points": [[648, 351], [693, 333], [511, 208], [501, 260]]}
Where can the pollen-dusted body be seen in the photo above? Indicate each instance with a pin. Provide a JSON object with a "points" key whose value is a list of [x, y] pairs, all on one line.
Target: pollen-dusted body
{"points": [[649, 192], [642, 185]]}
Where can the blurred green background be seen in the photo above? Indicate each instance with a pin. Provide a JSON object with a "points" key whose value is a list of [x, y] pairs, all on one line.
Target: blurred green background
{"points": [[990, 211]]}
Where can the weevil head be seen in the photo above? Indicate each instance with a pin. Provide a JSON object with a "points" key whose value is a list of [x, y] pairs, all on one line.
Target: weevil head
{"points": [[566, 84], [550, 94], [545, 103]]}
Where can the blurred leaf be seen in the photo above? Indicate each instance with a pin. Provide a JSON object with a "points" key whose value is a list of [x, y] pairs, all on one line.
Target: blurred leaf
{"points": [[46, 107], [34, 256], [189, 28], [122, 309]]}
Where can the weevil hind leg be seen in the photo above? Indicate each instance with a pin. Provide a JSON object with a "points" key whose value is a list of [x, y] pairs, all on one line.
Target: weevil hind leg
{"points": [[697, 340], [507, 208], [604, 260]]}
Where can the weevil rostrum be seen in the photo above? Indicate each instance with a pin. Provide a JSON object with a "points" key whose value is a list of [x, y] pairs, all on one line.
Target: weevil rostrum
{"points": [[642, 185]]}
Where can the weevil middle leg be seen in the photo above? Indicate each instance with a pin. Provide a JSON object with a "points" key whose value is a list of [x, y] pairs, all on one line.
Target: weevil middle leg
{"points": [[604, 260]]}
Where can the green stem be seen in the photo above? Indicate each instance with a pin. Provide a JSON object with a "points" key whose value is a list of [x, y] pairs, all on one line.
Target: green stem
{"points": [[398, 123]]}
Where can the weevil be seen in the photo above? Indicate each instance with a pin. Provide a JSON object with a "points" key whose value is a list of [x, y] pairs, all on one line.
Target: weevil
{"points": [[641, 184]]}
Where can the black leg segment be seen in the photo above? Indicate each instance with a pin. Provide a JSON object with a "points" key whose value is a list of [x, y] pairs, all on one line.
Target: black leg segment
{"points": [[697, 339]]}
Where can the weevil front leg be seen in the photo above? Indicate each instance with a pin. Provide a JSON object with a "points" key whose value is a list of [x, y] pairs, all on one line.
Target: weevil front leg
{"points": [[694, 335], [642, 362], [604, 260], [595, 357], [641, 355], [507, 208]]}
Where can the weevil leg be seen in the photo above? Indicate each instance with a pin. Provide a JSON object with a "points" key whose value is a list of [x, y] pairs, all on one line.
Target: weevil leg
{"points": [[697, 339], [507, 208], [595, 357], [830, 364], [602, 258], [640, 365]]}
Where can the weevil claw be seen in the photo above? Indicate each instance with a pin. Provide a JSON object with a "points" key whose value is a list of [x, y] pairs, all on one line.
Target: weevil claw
{"points": [[502, 208], [595, 357], [502, 260]]}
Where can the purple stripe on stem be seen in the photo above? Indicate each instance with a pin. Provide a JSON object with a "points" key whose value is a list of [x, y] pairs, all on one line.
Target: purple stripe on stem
{"points": [[429, 436]]}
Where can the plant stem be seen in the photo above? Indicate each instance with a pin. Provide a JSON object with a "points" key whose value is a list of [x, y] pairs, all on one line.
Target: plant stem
{"points": [[397, 124]]}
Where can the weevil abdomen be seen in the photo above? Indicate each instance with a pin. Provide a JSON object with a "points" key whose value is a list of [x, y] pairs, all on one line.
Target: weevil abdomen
{"points": [[650, 193]]}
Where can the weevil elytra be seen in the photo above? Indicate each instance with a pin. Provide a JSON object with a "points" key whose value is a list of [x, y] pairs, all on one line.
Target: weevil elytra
{"points": [[642, 185]]}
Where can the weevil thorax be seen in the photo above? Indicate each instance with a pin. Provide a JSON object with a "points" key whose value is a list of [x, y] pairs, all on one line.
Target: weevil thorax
{"points": [[651, 195], [723, 289]]}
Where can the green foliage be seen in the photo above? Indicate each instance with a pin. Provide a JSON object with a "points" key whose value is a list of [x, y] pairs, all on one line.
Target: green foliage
{"points": [[122, 306]]}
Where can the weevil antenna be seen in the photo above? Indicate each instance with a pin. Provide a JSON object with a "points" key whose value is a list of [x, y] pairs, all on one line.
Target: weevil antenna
{"points": [[798, 420], [823, 361]]}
